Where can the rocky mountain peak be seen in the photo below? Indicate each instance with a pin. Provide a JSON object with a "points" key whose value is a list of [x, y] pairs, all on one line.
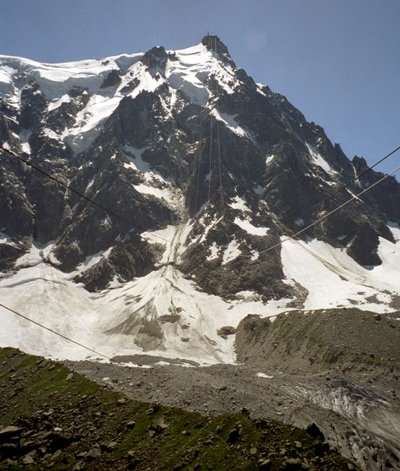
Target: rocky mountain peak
{"points": [[155, 58], [213, 43], [209, 173]]}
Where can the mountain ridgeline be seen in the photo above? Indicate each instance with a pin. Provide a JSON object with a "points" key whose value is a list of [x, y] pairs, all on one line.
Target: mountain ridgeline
{"points": [[168, 138]]}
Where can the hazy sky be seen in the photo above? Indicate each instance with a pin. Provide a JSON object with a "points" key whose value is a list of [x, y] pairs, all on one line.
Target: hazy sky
{"points": [[338, 61]]}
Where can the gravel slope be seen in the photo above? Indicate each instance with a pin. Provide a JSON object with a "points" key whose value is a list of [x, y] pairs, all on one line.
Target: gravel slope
{"points": [[337, 368]]}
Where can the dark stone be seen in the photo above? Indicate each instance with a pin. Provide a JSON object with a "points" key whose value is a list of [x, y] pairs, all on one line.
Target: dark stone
{"points": [[9, 432], [7, 450], [28, 460], [294, 464], [264, 465], [169, 318], [93, 454], [261, 424], [321, 448], [130, 86], [112, 79], [131, 424], [225, 331], [108, 447], [59, 440], [233, 436], [97, 277], [133, 463], [314, 431]]}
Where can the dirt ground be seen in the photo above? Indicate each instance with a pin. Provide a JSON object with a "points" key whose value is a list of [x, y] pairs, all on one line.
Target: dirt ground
{"points": [[361, 419]]}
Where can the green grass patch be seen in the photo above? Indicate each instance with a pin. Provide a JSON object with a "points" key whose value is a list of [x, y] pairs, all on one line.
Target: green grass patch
{"points": [[44, 398]]}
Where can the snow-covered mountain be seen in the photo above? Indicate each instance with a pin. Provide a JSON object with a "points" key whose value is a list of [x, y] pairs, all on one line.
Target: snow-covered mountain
{"points": [[207, 170]]}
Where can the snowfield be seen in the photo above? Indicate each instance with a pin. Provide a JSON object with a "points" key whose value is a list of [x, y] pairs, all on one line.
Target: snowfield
{"points": [[187, 71], [165, 314], [333, 279]]}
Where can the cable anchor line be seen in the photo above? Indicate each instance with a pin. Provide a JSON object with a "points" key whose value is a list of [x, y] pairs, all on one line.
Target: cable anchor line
{"points": [[73, 190], [215, 148], [55, 332], [325, 216], [65, 185], [357, 177]]}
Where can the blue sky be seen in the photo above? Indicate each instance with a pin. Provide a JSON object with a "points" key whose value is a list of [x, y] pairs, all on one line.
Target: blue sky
{"points": [[338, 61]]}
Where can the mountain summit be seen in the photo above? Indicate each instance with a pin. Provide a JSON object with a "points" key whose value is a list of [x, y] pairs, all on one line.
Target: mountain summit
{"points": [[202, 173]]}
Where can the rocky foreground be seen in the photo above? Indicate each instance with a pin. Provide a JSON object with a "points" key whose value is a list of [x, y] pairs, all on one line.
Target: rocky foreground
{"points": [[53, 418], [337, 368]]}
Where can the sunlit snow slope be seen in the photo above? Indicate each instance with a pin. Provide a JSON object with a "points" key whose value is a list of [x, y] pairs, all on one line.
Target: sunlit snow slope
{"points": [[111, 322]]}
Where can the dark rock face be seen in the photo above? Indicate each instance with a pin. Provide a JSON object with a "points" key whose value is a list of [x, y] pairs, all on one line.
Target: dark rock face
{"points": [[132, 259], [155, 58], [363, 248], [213, 43], [222, 154], [112, 79], [384, 195]]}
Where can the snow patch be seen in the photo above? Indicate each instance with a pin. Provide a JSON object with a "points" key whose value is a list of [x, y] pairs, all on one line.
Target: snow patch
{"points": [[130, 364], [31, 258], [334, 279], [254, 255], [239, 204], [89, 120], [231, 252], [6, 80], [230, 122], [91, 260], [24, 139], [250, 229], [50, 133], [6, 74], [190, 69], [160, 193], [4, 239], [58, 102], [317, 159], [147, 82], [136, 160], [162, 363], [189, 85], [263, 375], [258, 190], [108, 322], [159, 236], [269, 159], [260, 86], [214, 251], [153, 183], [247, 295]]}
